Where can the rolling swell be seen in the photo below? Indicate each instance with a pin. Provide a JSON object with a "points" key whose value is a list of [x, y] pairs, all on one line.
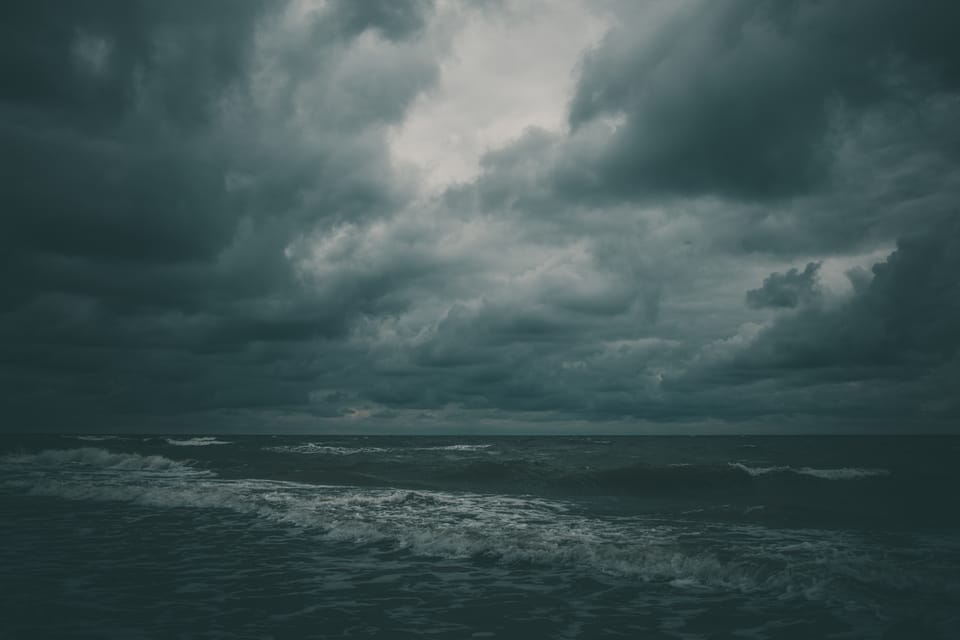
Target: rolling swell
{"points": [[92, 458], [843, 473], [643, 479]]}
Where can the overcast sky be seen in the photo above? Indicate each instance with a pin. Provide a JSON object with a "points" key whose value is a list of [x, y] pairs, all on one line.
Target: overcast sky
{"points": [[514, 216]]}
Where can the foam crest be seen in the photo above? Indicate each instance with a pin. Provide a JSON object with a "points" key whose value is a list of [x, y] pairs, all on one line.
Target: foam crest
{"points": [[844, 473], [455, 447], [757, 471], [324, 449], [96, 458], [197, 442], [312, 448]]}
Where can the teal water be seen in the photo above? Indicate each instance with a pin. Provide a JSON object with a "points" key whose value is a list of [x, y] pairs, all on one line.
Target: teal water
{"points": [[552, 537]]}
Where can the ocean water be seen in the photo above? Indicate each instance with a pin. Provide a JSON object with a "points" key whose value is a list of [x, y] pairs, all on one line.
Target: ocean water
{"points": [[480, 537]]}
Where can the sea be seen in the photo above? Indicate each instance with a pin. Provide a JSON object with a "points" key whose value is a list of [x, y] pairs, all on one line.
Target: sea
{"points": [[226, 536]]}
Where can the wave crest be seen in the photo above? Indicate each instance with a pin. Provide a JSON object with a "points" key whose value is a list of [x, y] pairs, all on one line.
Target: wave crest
{"points": [[325, 449], [196, 442], [312, 448], [843, 473], [96, 458]]}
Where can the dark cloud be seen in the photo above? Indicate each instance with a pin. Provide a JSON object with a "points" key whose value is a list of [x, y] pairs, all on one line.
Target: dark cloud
{"points": [[905, 321], [162, 162], [737, 97], [88, 64], [791, 129], [785, 289], [890, 352]]}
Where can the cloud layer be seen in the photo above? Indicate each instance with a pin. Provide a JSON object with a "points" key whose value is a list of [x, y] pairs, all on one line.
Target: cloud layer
{"points": [[216, 218]]}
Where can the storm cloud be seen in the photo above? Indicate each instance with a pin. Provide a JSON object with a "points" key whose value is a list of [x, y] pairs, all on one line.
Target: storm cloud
{"points": [[785, 289], [224, 216]]}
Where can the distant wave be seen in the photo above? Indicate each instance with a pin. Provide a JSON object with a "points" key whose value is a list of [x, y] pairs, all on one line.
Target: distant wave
{"points": [[93, 438], [94, 458], [454, 447], [844, 473], [637, 479], [315, 448], [197, 442]]}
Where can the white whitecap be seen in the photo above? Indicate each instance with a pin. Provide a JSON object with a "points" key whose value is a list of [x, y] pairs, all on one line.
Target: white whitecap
{"points": [[325, 449], [757, 471], [92, 458], [455, 447], [197, 442], [312, 448], [844, 473]]}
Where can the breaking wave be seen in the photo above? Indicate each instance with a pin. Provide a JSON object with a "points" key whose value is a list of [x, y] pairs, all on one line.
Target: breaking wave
{"points": [[455, 447], [92, 458], [312, 448], [845, 473], [323, 449], [197, 442]]}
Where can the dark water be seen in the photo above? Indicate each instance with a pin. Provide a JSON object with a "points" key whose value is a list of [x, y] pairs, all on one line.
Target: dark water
{"points": [[330, 537]]}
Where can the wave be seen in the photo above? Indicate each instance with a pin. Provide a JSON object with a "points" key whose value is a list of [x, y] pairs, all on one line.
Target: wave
{"points": [[91, 458], [454, 447], [638, 479], [844, 473], [94, 438], [505, 529], [478, 470], [197, 442], [323, 449], [311, 448]]}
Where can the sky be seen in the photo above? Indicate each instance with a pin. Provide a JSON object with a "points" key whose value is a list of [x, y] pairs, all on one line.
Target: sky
{"points": [[498, 216]]}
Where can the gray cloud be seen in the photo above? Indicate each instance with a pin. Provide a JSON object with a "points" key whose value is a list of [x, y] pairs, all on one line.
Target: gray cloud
{"points": [[785, 289]]}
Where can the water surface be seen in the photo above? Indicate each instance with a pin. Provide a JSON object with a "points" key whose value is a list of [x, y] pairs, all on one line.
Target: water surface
{"points": [[552, 537]]}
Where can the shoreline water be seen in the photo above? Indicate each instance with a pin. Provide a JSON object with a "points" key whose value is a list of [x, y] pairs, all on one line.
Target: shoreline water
{"points": [[560, 537]]}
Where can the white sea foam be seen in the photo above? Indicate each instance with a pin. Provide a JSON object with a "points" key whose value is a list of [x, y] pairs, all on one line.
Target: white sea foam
{"points": [[324, 449], [311, 448], [197, 442], [844, 473], [455, 447], [757, 471]]}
